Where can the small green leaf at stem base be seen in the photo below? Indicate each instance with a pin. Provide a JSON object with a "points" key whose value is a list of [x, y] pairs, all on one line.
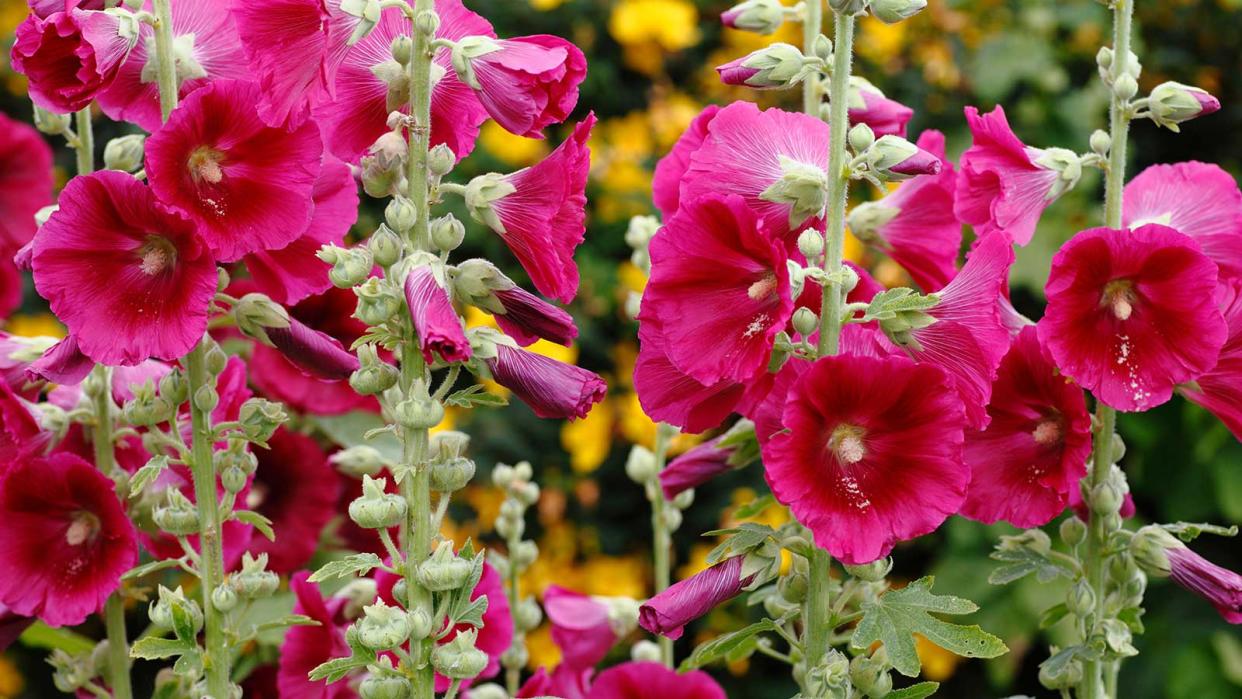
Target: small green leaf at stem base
{"points": [[922, 690], [731, 646]]}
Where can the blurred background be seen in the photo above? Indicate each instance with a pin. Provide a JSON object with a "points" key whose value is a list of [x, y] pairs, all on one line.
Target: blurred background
{"points": [[651, 71]]}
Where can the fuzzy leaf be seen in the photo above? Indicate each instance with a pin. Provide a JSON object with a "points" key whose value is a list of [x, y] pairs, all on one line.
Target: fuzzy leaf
{"points": [[726, 645], [1021, 562], [156, 648], [742, 539], [335, 669], [148, 568], [1056, 666], [896, 616], [146, 475], [351, 430], [1052, 615], [475, 395], [256, 520], [754, 507], [285, 621], [357, 564], [922, 690]]}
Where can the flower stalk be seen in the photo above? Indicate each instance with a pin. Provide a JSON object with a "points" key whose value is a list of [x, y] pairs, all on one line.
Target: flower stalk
{"points": [[662, 536]]}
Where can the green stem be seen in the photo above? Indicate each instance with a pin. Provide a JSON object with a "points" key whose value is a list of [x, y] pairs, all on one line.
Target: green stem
{"points": [[165, 59], [662, 543], [513, 673], [217, 660], [118, 648], [812, 24], [416, 531], [86, 141], [420, 128]]}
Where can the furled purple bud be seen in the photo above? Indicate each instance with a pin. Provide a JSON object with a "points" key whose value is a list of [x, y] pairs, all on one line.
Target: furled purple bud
{"points": [[668, 612], [776, 66], [1171, 103]]}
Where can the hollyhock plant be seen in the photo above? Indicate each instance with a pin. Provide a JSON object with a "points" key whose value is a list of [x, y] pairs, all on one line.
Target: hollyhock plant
{"points": [[66, 540], [528, 318], [1198, 199], [526, 83], [666, 182], [246, 185], [296, 488], [540, 213], [1132, 313], [551, 388], [668, 613], [130, 278], [25, 182], [870, 455], [306, 647], [582, 626], [1220, 389], [641, 680], [1034, 451], [719, 289], [696, 467], [439, 328], [71, 56], [869, 106], [915, 224], [1003, 185]]}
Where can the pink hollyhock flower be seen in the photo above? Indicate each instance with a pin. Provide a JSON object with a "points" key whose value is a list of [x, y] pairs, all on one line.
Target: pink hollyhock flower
{"points": [[296, 374], [307, 647], [130, 278], [886, 117], [696, 467], [542, 216], [62, 364], [439, 327], [1003, 186], [1132, 313], [529, 82], [667, 613], [666, 183], [581, 627], [1220, 389], [206, 48], [645, 680], [20, 432], [747, 151], [365, 84], [915, 224], [969, 338], [66, 540], [294, 272], [13, 625], [45, 8], [565, 682], [1198, 199], [1034, 452], [527, 318], [296, 488], [870, 454], [1162, 555], [70, 57], [286, 42], [719, 289], [248, 186], [25, 182], [551, 388]]}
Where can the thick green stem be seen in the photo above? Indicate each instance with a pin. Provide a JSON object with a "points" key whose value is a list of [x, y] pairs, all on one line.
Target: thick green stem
{"points": [[165, 58], [217, 659], [662, 538], [118, 648], [1099, 677], [420, 126], [812, 25], [86, 141], [513, 673]]}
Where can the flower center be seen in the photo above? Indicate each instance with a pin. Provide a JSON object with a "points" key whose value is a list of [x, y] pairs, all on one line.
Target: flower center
{"points": [[82, 529], [762, 288], [846, 443], [1047, 432], [1119, 296], [204, 165], [156, 255]]}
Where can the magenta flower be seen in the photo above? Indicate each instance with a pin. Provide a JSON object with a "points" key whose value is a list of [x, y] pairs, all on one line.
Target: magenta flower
{"points": [[248, 186], [20, 432], [669, 172], [915, 224], [719, 289], [286, 42], [66, 540], [746, 151], [565, 682], [1198, 199], [886, 117], [206, 47], [1219, 586], [62, 364], [695, 467], [130, 278], [870, 453], [969, 338], [581, 627], [527, 318], [552, 389], [543, 220], [529, 82], [1002, 185], [296, 488], [1220, 389], [355, 110], [45, 8], [25, 182], [316, 353], [1034, 452], [69, 57], [667, 613], [737, 73], [439, 327], [641, 680], [1132, 313], [307, 647], [294, 272]]}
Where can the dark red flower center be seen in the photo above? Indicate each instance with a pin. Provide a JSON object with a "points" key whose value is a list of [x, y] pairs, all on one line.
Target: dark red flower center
{"points": [[157, 255], [847, 444], [83, 528], [1119, 296], [204, 165]]}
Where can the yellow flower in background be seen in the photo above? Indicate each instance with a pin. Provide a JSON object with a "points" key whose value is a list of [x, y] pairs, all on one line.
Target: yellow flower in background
{"points": [[11, 681], [697, 561], [543, 651], [938, 663], [615, 576], [671, 25], [624, 355], [670, 115], [476, 318], [589, 440], [545, 5], [39, 325], [635, 425], [879, 42], [514, 150]]}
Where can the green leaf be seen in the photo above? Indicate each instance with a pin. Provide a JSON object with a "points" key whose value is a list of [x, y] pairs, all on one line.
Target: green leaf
{"points": [[754, 507], [335, 669], [1021, 562], [147, 568], [1052, 615], [256, 520], [156, 648], [723, 646], [475, 395], [473, 613], [40, 635], [1057, 665], [922, 690], [887, 304], [741, 539], [1133, 618], [897, 615], [286, 621], [348, 430], [1189, 531], [146, 475], [183, 623], [190, 664], [357, 564]]}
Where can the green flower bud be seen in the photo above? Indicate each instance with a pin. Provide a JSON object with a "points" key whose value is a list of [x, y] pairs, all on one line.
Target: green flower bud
{"points": [[385, 246], [447, 233], [793, 587], [861, 137], [160, 611], [1149, 548], [382, 627], [1101, 142], [224, 598], [481, 193], [1125, 87], [1073, 531], [529, 615], [1106, 499], [502, 475], [805, 321], [449, 475], [421, 624], [641, 465], [515, 656], [1069, 676], [492, 690], [441, 160], [359, 461], [1080, 599], [449, 443], [427, 22], [866, 219], [775, 66], [206, 399], [459, 659], [802, 186], [401, 215], [874, 571], [376, 509], [51, 123], [378, 301], [526, 554], [684, 499], [260, 418], [352, 266], [811, 244], [385, 686], [124, 153], [1172, 103], [672, 518], [894, 11], [255, 312], [444, 570], [254, 580], [757, 16], [177, 516], [419, 413]]}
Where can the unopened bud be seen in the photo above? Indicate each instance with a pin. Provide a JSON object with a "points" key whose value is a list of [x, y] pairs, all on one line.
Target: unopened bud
{"points": [[447, 233], [444, 570], [776, 66], [440, 160], [378, 301], [645, 651], [51, 123], [1101, 142], [385, 686], [401, 215], [161, 614], [758, 16], [805, 321], [811, 244], [1073, 531], [1172, 103], [261, 418], [895, 158], [177, 515], [452, 474], [641, 464], [375, 508], [1125, 87], [419, 413], [861, 137], [124, 153], [894, 11], [459, 659], [254, 580], [1081, 599], [382, 627], [224, 598], [874, 571]]}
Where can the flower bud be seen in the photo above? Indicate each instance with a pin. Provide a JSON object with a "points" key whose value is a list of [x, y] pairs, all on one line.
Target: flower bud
{"points": [[447, 233], [1172, 103], [224, 598], [645, 651], [385, 686], [450, 443], [895, 158], [352, 266], [874, 571], [385, 246], [160, 611], [640, 466], [177, 516], [359, 461], [1106, 499], [444, 570], [870, 676], [124, 153], [758, 16], [1073, 531], [51, 123], [684, 499], [260, 418], [672, 518], [372, 378], [525, 554], [1149, 548], [1069, 676], [254, 580], [894, 11], [493, 691], [811, 244], [529, 615], [502, 475], [440, 160], [378, 302], [419, 413], [459, 659], [427, 22], [206, 399], [382, 627], [1101, 142], [1125, 87], [776, 66], [793, 587], [376, 509], [255, 312], [452, 474], [401, 215], [801, 186], [1081, 599], [861, 137], [805, 321]]}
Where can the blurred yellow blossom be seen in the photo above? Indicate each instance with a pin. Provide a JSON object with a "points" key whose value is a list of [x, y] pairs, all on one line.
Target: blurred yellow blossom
{"points": [[588, 440], [513, 150], [37, 325], [938, 663], [671, 25], [616, 576], [878, 41], [631, 277], [545, 5], [543, 651], [11, 681]]}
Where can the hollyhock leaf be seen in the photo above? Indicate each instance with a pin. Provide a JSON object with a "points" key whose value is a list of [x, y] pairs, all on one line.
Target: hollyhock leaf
{"points": [[350, 430], [727, 646], [744, 539], [285, 622], [336, 669], [1021, 562], [153, 648], [1188, 531], [147, 475], [1052, 615], [153, 567], [475, 395], [1057, 665], [897, 615], [256, 520], [355, 564], [922, 690], [754, 507]]}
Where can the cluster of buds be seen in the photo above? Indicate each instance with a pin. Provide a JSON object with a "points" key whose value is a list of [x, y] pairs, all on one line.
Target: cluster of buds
{"points": [[521, 493], [889, 158], [766, 16], [643, 467]]}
